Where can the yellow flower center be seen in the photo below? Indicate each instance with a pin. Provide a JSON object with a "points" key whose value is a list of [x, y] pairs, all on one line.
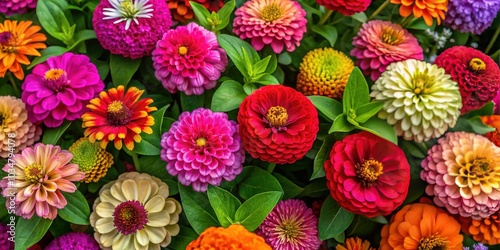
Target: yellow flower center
{"points": [[369, 171], [2, 121], [33, 173], [54, 74], [127, 8], [56, 79], [391, 36], [480, 167], [118, 113], [183, 50], [277, 116], [477, 64], [433, 242], [201, 142], [288, 230], [421, 84], [271, 13]]}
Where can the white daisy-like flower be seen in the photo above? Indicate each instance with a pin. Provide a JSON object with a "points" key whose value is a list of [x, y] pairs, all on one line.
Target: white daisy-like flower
{"points": [[128, 10]]}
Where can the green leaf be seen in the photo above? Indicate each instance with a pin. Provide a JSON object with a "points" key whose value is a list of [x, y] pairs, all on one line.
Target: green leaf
{"points": [[410, 148], [122, 69], [224, 204], [329, 107], [150, 143], [356, 91], [266, 79], [225, 14], [6, 89], [201, 14], [77, 211], [30, 231], [472, 125], [261, 66], [46, 53], [328, 32], [319, 160], [257, 180], [381, 128], [285, 58], [155, 166], [191, 102], [254, 210], [360, 17], [228, 96], [249, 88], [82, 35], [316, 189], [50, 13], [368, 110], [197, 207], [333, 219], [290, 189], [185, 236], [486, 110], [233, 47], [340, 124], [52, 135], [340, 238]]}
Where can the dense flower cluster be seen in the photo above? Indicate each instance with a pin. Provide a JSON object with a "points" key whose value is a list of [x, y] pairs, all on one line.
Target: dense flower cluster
{"points": [[16, 6], [485, 230], [428, 10], [234, 237], [473, 16], [73, 241], [181, 10]]}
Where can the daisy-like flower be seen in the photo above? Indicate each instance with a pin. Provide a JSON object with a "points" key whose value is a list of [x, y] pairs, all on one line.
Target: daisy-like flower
{"points": [[421, 226], [41, 173], [324, 72], [182, 11], [12, 7], [16, 131], [421, 101], [355, 243], [345, 7], [128, 11], [473, 16], [463, 174], [278, 23], [234, 237], [59, 88], [118, 116], [189, 59], [367, 174], [4, 236], [17, 41], [428, 9], [380, 43], [277, 124], [485, 230], [290, 225], [477, 75], [91, 159], [73, 241], [135, 211]]}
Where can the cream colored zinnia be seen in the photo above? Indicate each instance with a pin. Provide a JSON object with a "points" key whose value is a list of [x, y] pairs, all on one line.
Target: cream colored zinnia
{"points": [[135, 212], [421, 101]]}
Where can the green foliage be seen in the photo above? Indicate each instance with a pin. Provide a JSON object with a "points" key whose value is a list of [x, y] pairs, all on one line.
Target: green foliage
{"points": [[224, 204], [254, 210], [333, 219], [30, 231], [77, 210], [122, 69], [197, 208]]}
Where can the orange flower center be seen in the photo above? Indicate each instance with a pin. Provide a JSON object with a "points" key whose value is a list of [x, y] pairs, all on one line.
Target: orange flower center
{"points": [[201, 142], [129, 217], [391, 36], [33, 173], [57, 79], [433, 242], [271, 13], [277, 116], [477, 64], [118, 113], [183, 50], [369, 171]]}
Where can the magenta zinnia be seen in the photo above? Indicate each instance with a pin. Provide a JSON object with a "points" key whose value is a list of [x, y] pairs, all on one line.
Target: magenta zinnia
{"points": [[73, 241], [189, 59], [11, 7], [278, 23]]}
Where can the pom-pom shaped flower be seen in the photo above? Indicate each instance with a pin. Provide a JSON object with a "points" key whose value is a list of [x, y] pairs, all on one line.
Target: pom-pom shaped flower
{"points": [[478, 246], [345, 7], [477, 75], [428, 9], [485, 230], [463, 174], [41, 173], [131, 28], [355, 243], [421, 226], [234, 237], [91, 159], [11, 7], [182, 11], [278, 23], [380, 43], [73, 241], [324, 72], [367, 174], [5, 235], [493, 121], [421, 101], [203, 147], [473, 16], [135, 212], [17, 41], [290, 225], [59, 88], [16, 131], [118, 116], [277, 124], [189, 59]]}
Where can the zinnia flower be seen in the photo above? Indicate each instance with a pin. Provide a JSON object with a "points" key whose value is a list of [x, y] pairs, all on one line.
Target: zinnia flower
{"points": [[118, 116], [277, 124], [11, 7], [367, 174], [189, 59], [380, 43], [41, 173], [493, 121], [485, 230], [421, 101], [135, 212], [16, 131], [496, 102], [203, 147], [234, 237], [73, 241], [290, 225], [17, 41], [182, 11], [279, 23], [428, 9], [478, 246], [463, 174], [5, 243], [131, 28], [421, 226], [59, 88], [473, 16], [355, 244], [324, 72], [91, 159], [345, 7], [478, 76]]}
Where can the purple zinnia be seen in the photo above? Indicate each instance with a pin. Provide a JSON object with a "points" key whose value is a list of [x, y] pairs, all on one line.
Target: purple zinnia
{"points": [[189, 59], [11, 7], [74, 241], [59, 89], [131, 28], [5, 243], [291, 225], [473, 16], [203, 147], [478, 246]]}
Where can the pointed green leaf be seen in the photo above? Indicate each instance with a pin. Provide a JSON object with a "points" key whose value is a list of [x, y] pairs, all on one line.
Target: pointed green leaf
{"points": [[224, 204], [122, 69], [225, 14], [340, 124], [380, 219], [333, 219], [201, 14], [356, 91], [266, 79], [29, 232], [381, 128], [329, 107], [254, 210], [77, 211], [52, 135], [233, 47], [192, 102], [198, 211], [261, 66], [228, 96], [253, 182], [368, 110], [290, 189], [46, 53], [328, 32], [50, 13], [319, 160]]}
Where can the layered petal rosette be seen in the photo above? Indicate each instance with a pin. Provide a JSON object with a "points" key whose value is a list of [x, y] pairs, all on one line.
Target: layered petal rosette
{"points": [[182, 11], [91, 159], [233, 237], [473, 16], [345, 7], [485, 230], [73, 241], [355, 243], [428, 9]]}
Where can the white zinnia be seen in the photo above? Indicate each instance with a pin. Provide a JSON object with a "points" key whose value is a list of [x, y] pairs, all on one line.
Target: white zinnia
{"points": [[128, 10]]}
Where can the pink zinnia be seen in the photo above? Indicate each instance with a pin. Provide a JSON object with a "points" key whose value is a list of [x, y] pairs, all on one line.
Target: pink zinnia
{"points": [[11, 7], [41, 173], [290, 225], [380, 43], [203, 147], [59, 89], [73, 241], [189, 59], [5, 243], [279, 23], [346, 7]]}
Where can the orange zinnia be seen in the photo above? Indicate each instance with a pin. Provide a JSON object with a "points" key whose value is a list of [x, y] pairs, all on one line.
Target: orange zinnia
{"points": [[17, 41], [429, 9], [355, 243], [234, 237], [493, 121], [485, 230]]}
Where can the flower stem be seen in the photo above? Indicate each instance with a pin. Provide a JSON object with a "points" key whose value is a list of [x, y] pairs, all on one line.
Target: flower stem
{"points": [[325, 17], [14, 85], [493, 39], [270, 167], [406, 21], [137, 164], [377, 11]]}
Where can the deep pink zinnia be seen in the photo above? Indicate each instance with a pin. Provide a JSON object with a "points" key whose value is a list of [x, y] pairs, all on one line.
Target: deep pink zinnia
{"points": [[11, 7], [189, 59], [290, 225], [380, 43], [279, 23], [346, 7], [203, 147], [367, 174], [59, 89], [73, 241]]}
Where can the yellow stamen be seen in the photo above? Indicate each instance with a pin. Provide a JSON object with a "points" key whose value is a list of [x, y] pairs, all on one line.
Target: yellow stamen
{"points": [[277, 116], [369, 171], [201, 142], [477, 64], [115, 107], [183, 50], [433, 242], [33, 173], [391, 36], [54, 74], [271, 13]]}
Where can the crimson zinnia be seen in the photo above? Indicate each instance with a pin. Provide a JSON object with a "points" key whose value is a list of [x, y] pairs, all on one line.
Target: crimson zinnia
{"points": [[345, 7]]}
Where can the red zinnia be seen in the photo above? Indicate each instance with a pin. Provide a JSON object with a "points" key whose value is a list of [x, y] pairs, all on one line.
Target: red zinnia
{"points": [[367, 174], [277, 124], [345, 7]]}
